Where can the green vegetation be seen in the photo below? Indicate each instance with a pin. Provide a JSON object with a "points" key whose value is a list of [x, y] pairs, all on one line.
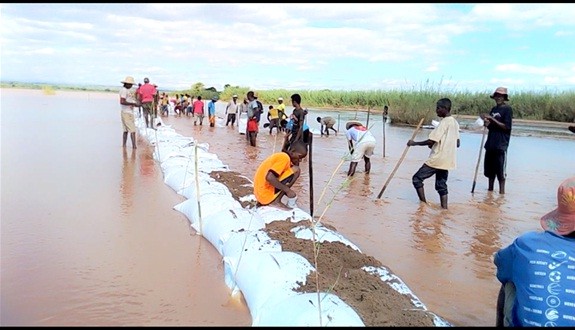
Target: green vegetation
{"points": [[408, 107], [55, 87], [405, 107]]}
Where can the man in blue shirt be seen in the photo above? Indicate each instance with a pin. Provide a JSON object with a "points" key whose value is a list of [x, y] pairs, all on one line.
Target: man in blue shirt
{"points": [[537, 271], [212, 111]]}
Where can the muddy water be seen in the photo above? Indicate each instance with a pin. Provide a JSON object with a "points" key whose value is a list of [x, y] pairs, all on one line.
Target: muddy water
{"points": [[89, 236]]}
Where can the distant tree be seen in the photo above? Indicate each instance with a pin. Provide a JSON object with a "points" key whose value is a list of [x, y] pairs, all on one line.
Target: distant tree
{"points": [[197, 88]]}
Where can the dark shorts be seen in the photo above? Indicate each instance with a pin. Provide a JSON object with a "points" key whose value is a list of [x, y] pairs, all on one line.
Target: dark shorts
{"points": [[495, 163], [426, 172], [274, 122], [148, 107], [284, 181]]}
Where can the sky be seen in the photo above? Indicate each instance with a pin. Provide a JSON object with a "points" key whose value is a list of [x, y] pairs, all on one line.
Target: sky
{"points": [[295, 46]]}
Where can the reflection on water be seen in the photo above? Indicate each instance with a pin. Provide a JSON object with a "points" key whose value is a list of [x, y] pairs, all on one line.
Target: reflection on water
{"points": [[485, 240], [90, 237], [427, 224], [127, 182]]}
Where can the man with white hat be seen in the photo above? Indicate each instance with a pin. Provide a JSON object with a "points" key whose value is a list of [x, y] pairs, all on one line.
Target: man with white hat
{"points": [[537, 270], [127, 104], [498, 122]]}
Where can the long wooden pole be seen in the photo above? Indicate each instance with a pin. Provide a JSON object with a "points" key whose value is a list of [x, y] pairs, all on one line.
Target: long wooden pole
{"points": [[478, 159], [400, 159], [385, 109], [384, 120], [310, 175]]}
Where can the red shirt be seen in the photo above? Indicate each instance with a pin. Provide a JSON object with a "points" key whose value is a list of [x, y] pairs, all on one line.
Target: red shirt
{"points": [[147, 92], [198, 107]]}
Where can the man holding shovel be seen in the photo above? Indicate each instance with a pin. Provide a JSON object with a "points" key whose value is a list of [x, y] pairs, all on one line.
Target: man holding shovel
{"points": [[443, 141]]}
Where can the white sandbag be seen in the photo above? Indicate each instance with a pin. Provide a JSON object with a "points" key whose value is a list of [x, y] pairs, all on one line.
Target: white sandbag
{"points": [[218, 227], [302, 310], [179, 161], [322, 234], [283, 272], [167, 150], [242, 123], [272, 213], [206, 187], [251, 198], [239, 243], [208, 165], [207, 161], [179, 178], [209, 204]]}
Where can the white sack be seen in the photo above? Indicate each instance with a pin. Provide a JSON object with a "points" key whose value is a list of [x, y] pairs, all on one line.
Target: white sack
{"points": [[209, 204], [218, 227], [271, 214], [266, 278], [302, 310], [240, 243]]}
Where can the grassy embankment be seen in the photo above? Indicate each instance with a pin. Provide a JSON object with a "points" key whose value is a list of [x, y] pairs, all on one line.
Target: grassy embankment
{"points": [[408, 107], [405, 107]]}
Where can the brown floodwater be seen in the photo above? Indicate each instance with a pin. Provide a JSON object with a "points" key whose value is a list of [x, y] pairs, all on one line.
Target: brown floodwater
{"points": [[89, 235]]}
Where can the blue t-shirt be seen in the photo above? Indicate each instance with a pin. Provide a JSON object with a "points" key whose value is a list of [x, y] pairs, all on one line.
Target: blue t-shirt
{"points": [[290, 123], [211, 108], [542, 267]]}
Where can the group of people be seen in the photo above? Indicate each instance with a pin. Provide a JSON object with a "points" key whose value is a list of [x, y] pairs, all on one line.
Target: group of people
{"points": [[444, 141], [536, 271]]}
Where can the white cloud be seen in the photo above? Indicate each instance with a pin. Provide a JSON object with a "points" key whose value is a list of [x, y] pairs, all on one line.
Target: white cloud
{"points": [[252, 44]]}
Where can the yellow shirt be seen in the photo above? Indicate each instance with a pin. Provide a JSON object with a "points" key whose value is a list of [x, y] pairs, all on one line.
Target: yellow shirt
{"points": [[282, 108], [273, 113], [443, 154], [280, 164]]}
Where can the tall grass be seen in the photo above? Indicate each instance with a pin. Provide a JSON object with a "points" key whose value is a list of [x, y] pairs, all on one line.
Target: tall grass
{"points": [[407, 107]]}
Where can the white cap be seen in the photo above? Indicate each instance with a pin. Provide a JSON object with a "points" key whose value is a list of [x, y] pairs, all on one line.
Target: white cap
{"points": [[235, 95], [280, 98]]}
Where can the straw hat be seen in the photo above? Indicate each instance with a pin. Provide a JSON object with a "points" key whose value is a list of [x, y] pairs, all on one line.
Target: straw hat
{"points": [[501, 91], [128, 80], [562, 219], [352, 123]]}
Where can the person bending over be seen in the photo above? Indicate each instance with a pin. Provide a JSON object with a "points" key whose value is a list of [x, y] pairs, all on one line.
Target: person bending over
{"points": [[361, 144], [276, 175], [328, 123]]}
